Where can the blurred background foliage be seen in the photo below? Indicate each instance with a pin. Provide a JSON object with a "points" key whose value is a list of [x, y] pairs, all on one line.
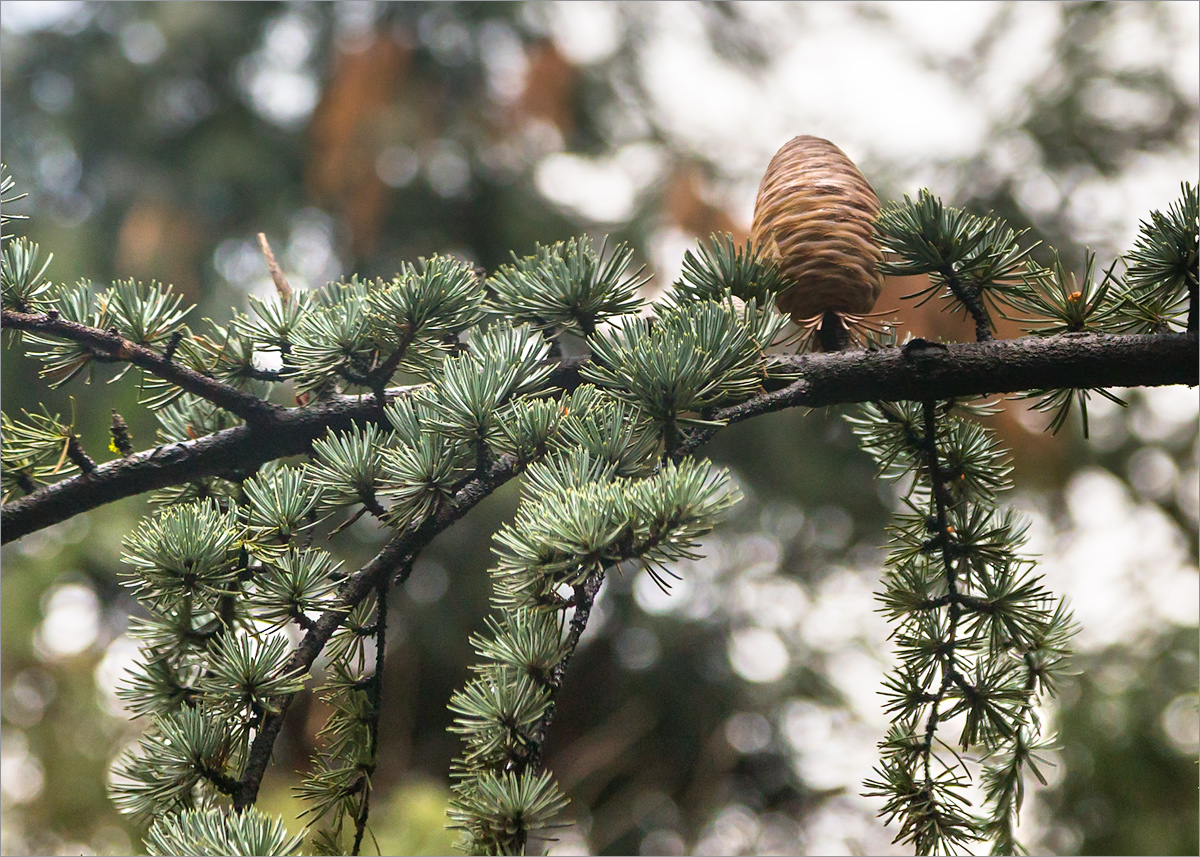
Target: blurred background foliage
{"points": [[738, 715]]}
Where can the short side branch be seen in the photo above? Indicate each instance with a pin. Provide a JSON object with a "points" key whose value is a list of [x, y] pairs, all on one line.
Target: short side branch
{"points": [[115, 347], [391, 565]]}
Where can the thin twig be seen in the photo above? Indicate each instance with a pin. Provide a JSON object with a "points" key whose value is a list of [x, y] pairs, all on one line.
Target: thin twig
{"points": [[277, 276], [941, 503], [115, 347], [223, 783], [375, 691], [583, 599], [78, 457], [172, 345], [1192, 301], [383, 374], [393, 563]]}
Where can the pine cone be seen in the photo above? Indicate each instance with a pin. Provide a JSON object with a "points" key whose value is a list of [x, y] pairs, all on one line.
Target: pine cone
{"points": [[815, 215]]}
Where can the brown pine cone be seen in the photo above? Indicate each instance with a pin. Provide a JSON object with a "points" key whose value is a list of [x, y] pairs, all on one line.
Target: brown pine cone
{"points": [[815, 215]]}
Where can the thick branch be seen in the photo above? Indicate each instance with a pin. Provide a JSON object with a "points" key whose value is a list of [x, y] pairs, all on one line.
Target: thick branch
{"points": [[115, 347], [912, 373], [924, 370], [242, 448]]}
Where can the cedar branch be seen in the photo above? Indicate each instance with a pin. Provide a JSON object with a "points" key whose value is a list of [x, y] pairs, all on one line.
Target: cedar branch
{"points": [[115, 347], [912, 373]]}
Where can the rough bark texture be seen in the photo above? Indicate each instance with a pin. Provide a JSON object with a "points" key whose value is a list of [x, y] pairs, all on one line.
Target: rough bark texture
{"points": [[917, 372]]}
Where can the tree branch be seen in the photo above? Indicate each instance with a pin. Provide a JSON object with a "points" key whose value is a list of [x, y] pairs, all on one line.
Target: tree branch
{"points": [[923, 370], [242, 448], [890, 374], [1193, 322], [116, 347], [584, 599], [917, 372], [375, 692], [968, 295], [396, 556], [947, 660]]}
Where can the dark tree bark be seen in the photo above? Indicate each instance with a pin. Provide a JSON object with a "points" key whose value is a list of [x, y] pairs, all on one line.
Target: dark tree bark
{"points": [[916, 372]]}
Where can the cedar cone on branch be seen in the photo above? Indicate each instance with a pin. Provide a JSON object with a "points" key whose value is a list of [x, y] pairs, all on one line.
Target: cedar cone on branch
{"points": [[815, 215]]}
